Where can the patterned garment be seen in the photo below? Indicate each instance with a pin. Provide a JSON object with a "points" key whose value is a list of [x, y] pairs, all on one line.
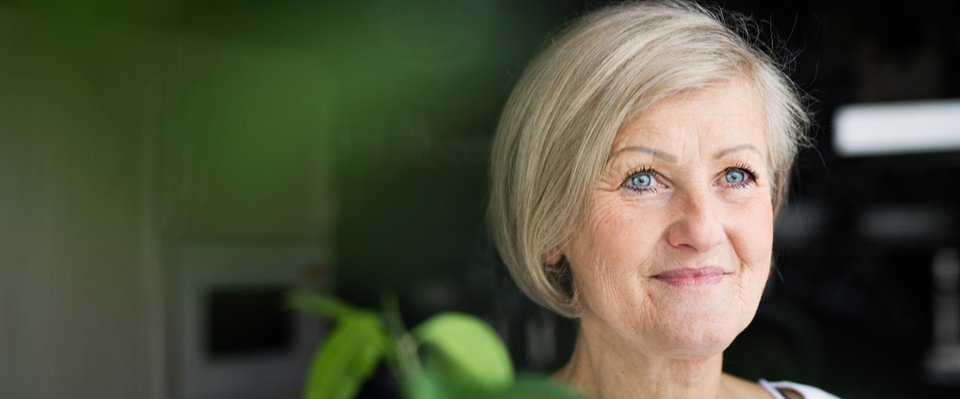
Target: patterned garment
{"points": [[807, 391]]}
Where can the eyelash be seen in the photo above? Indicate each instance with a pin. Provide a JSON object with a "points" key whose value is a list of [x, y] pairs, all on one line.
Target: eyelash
{"points": [[751, 177], [640, 171], [751, 174]]}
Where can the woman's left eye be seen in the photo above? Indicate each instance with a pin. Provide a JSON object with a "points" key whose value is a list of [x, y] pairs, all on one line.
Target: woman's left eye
{"points": [[738, 176], [735, 176]]}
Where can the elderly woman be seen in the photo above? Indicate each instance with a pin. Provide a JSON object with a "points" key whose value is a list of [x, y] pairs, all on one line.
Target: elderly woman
{"points": [[636, 173]]}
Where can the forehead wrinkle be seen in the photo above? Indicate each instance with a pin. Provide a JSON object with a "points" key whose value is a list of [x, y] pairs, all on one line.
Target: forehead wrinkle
{"points": [[662, 119], [652, 151], [741, 147]]}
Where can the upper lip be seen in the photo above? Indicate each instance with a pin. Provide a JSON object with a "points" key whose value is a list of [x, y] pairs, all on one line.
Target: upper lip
{"points": [[687, 272]]}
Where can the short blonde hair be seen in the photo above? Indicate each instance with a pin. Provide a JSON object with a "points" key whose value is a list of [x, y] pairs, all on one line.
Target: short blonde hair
{"points": [[559, 124]]}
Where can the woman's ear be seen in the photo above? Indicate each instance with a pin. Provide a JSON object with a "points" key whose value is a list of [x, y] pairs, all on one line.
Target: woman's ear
{"points": [[552, 256]]}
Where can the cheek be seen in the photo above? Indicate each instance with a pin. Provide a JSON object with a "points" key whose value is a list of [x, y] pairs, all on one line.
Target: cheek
{"points": [[752, 238], [617, 236], [755, 228], [610, 250]]}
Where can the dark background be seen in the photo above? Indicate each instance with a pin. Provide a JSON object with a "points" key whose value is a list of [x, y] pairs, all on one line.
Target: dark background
{"points": [[402, 100]]}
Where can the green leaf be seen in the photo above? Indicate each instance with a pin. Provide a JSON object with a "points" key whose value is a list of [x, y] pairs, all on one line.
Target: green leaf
{"points": [[424, 386], [466, 350], [348, 357]]}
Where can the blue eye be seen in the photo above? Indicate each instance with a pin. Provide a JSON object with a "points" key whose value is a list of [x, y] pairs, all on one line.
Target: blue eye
{"points": [[641, 180], [735, 176]]}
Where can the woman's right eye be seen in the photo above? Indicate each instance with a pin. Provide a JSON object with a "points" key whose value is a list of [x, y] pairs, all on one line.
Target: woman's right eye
{"points": [[641, 181]]}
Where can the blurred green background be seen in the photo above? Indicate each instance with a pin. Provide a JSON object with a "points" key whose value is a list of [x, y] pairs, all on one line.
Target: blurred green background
{"points": [[129, 129]]}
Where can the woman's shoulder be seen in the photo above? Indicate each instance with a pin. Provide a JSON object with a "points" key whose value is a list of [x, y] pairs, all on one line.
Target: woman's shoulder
{"points": [[736, 387], [789, 390], [741, 388]]}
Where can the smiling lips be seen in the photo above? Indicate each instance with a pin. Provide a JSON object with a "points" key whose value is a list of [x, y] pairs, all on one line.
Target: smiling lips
{"points": [[691, 277]]}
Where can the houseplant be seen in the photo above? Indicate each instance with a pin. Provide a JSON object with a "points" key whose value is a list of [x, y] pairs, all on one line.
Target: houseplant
{"points": [[451, 355]]}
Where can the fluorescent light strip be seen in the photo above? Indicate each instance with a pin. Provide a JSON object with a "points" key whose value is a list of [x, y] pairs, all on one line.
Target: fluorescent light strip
{"points": [[897, 128]]}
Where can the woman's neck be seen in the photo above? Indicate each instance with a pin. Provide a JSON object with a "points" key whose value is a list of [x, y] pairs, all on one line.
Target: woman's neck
{"points": [[604, 367]]}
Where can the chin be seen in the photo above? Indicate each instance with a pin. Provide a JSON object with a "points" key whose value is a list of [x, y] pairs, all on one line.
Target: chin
{"points": [[696, 336], [702, 346]]}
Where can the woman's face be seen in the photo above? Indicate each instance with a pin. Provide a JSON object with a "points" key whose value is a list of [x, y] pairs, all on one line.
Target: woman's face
{"points": [[677, 244]]}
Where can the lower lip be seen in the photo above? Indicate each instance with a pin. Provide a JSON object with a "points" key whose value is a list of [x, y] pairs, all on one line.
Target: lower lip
{"points": [[689, 277]]}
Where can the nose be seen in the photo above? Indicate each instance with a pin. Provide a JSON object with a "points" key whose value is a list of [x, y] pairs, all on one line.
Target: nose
{"points": [[698, 228]]}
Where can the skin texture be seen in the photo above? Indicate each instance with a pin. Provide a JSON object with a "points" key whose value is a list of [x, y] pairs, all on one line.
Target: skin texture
{"points": [[686, 186]]}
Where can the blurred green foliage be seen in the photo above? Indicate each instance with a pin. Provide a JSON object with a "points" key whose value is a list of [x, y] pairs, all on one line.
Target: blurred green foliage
{"points": [[451, 355]]}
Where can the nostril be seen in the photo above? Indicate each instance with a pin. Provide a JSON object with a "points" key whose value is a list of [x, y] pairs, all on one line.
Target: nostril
{"points": [[698, 229]]}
